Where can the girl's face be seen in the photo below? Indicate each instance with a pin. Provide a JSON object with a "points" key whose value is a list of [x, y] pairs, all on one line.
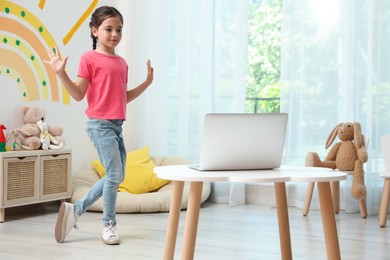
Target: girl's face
{"points": [[108, 34]]}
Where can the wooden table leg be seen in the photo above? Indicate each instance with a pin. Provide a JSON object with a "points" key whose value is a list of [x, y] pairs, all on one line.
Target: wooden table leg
{"points": [[384, 203], [309, 195], [335, 190], [191, 225], [2, 211], [284, 226], [173, 220], [328, 221]]}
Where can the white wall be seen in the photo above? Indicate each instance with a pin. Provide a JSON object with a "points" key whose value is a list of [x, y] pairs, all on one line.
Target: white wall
{"points": [[58, 17]]}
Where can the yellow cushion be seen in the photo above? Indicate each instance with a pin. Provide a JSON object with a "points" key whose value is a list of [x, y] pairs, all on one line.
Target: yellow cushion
{"points": [[139, 177], [98, 166]]}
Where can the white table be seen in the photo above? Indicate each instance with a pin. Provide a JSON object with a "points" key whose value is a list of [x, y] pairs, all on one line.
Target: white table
{"points": [[181, 173]]}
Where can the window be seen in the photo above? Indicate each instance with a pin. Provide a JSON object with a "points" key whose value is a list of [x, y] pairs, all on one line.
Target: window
{"points": [[264, 48]]}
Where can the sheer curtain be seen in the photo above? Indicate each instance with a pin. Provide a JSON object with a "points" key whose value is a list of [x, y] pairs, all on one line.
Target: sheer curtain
{"points": [[199, 51], [335, 61]]}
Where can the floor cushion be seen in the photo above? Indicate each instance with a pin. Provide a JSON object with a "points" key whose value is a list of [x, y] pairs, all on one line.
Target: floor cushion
{"points": [[157, 201]]}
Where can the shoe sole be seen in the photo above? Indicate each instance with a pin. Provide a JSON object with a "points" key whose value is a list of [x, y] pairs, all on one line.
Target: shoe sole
{"points": [[60, 229], [107, 242]]}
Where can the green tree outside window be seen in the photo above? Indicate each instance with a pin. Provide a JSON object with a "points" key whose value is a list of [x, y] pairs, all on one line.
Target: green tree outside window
{"points": [[264, 48]]}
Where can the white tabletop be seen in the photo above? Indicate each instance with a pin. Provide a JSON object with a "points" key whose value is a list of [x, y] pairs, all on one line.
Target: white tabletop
{"points": [[282, 174], [384, 174]]}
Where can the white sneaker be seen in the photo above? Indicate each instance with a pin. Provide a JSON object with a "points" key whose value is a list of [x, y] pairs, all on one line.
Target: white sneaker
{"points": [[110, 235], [66, 220]]}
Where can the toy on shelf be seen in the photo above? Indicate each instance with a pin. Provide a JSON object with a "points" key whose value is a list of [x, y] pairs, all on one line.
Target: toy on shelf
{"points": [[31, 132], [48, 141], [3, 141], [17, 141]]}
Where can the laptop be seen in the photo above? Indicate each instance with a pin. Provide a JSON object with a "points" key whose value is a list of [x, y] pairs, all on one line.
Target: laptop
{"points": [[242, 141]]}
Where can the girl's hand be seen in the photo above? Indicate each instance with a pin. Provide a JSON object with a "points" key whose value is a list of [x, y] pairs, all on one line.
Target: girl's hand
{"points": [[149, 78], [55, 62]]}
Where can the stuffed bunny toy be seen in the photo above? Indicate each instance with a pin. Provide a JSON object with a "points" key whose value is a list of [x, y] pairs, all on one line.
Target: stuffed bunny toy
{"points": [[348, 155], [48, 141], [17, 141]]}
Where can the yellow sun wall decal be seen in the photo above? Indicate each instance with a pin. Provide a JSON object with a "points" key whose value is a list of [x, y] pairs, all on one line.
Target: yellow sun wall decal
{"points": [[24, 42]]}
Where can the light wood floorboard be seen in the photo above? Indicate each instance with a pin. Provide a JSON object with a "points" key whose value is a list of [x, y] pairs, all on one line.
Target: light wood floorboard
{"points": [[236, 233]]}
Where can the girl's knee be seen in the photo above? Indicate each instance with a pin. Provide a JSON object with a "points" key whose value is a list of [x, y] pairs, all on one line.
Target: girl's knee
{"points": [[115, 178]]}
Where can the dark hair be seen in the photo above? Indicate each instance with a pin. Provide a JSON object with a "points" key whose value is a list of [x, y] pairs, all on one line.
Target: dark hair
{"points": [[98, 17]]}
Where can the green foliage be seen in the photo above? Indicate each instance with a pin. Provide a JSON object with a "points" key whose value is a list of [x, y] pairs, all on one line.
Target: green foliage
{"points": [[264, 48]]}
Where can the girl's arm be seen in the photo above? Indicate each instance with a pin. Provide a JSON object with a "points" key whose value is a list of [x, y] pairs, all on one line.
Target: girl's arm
{"points": [[135, 92], [76, 90]]}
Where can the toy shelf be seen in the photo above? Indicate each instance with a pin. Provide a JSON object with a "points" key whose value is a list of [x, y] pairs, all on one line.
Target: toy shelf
{"points": [[29, 177]]}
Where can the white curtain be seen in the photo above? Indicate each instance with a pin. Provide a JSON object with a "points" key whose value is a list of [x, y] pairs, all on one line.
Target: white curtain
{"points": [[199, 51], [335, 62]]}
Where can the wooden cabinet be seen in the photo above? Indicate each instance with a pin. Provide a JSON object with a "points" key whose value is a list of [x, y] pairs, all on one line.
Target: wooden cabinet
{"points": [[29, 177]]}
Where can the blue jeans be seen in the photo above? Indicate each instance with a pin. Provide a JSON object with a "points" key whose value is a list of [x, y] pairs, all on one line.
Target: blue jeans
{"points": [[106, 135]]}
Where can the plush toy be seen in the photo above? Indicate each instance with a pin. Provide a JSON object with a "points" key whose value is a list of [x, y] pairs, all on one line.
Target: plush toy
{"points": [[47, 140], [348, 155], [17, 141], [30, 130]]}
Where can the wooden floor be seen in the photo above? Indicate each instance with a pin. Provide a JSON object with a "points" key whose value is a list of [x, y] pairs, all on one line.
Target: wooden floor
{"points": [[242, 232]]}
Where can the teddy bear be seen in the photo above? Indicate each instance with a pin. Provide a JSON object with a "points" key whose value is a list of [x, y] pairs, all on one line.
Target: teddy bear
{"points": [[348, 155], [31, 131]]}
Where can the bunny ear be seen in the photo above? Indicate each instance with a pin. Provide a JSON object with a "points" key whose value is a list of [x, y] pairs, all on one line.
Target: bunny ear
{"points": [[332, 136], [357, 134], [8, 135]]}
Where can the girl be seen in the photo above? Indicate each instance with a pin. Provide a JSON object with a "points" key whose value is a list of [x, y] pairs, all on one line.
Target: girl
{"points": [[102, 77]]}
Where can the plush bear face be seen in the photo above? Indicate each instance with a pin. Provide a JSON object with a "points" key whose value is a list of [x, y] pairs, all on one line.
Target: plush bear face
{"points": [[33, 114]]}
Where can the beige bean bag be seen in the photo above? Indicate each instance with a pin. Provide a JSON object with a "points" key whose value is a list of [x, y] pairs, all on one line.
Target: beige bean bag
{"points": [[158, 201]]}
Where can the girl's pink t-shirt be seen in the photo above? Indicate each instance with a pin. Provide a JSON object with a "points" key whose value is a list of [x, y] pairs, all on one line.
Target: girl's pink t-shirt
{"points": [[107, 88]]}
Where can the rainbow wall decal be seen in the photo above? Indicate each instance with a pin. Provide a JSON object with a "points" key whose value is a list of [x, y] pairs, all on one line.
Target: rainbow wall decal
{"points": [[24, 41]]}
